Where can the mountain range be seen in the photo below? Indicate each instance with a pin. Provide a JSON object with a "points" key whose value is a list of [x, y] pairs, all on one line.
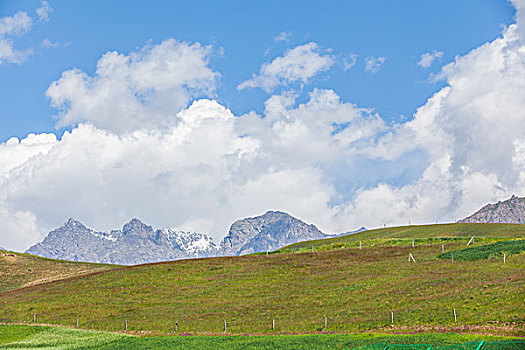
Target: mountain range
{"points": [[138, 243], [511, 211]]}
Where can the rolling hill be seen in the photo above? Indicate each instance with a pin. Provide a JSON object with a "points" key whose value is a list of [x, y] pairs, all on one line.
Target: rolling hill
{"points": [[19, 270], [355, 289], [445, 232]]}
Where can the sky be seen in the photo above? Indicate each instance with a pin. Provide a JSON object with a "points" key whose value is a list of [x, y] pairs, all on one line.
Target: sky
{"points": [[192, 115]]}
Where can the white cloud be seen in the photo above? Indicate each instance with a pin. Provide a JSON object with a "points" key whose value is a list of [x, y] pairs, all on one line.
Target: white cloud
{"points": [[17, 24], [327, 161], [43, 11], [141, 90], [428, 58], [53, 45], [203, 172], [49, 44], [472, 132], [12, 26], [283, 36], [349, 61], [374, 64], [299, 64]]}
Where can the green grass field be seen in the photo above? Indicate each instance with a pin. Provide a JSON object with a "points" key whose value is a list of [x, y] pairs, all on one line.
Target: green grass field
{"points": [[18, 270], [355, 289], [421, 233], [39, 337], [487, 251]]}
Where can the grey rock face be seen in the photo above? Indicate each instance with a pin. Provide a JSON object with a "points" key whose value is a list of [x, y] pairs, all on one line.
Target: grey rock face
{"points": [[511, 211], [270, 231], [136, 243]]}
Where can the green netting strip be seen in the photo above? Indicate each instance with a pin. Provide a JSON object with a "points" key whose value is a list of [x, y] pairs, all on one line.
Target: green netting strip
{"points": [[477, 345], [409, 346], [504, 345]]}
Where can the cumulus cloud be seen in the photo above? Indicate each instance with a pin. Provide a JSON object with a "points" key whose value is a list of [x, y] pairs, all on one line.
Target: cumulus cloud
{"points": [[143, 89], [15, 26], [43, 11], [49, 44], [472, 133], [12, 26], [200, 173], [299, 64], [283, 36], [428, 58], [324, 160], [349, 61], [374, 64]]}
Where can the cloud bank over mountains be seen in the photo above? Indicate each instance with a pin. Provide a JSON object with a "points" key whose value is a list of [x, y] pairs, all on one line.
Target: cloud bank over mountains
{"points": [[150, 140]]}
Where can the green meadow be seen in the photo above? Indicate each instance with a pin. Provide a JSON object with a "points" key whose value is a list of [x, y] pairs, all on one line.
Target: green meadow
{"points": [[41, 337], [357, 290]]}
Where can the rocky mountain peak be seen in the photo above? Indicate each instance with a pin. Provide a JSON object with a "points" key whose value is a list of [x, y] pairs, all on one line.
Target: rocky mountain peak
{"points": [[137, 227], [268, 231], [73, 224], [510, 211], [136, 243]]}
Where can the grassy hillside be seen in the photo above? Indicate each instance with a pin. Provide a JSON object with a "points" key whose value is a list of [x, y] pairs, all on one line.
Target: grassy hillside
{"points": [[421, 233], [487, 251], [355, 289], [14, 337], [19, 270]]}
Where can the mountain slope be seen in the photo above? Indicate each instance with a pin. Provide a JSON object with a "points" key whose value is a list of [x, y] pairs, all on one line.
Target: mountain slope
{"points": [[356, 289], [136, 243], [269, 231], [511, 211]]}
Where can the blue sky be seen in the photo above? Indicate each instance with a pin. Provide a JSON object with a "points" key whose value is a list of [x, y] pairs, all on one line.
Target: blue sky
{"points": [[193, 114], [245, 31]]}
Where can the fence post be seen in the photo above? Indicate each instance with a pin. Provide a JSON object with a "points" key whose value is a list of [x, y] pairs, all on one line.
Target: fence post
{"points": [[273, 324], [359, 245], [452, 258], [77, 322], [391, 316], [34, 318], [312, 249], [454, 310], [504, 258], [325, 323], [176, 325], [442, 248], [412, 243], [125, 325], [225, 325]]}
